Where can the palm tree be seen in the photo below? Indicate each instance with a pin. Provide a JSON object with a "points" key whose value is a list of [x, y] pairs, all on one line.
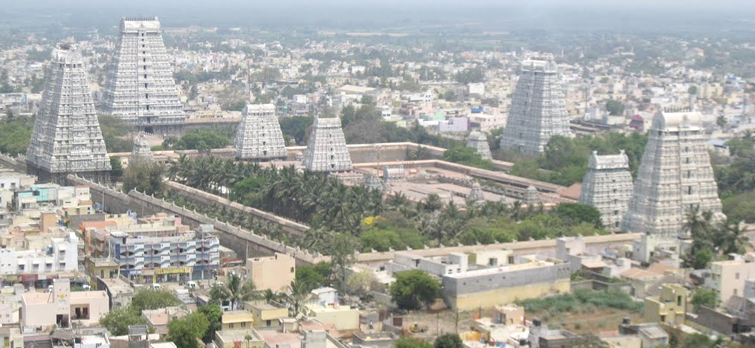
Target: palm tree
{"points": [[235, 292], [297, 293], [731, 237], [697, 224]]}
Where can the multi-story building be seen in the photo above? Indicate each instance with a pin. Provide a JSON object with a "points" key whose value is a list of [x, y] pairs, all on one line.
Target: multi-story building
{"points": [[728, 277], [273, 272], [61, 255], [675, 176], [538, 108], [140, 88], [151, 259], [670, 308], [326, 147], [259, 135], [67, 137], [61, 306], [607, 186]]}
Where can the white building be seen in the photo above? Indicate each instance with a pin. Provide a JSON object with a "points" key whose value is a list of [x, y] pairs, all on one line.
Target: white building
{"points": [[61, 256], [607, 186]]}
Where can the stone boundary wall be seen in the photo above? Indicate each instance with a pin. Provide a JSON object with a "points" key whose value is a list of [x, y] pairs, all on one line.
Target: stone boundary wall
{"points": [[16, 163], [203, 197]]}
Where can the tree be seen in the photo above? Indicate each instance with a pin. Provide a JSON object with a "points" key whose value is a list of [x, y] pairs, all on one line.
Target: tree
{"points": [[117, 169], [214, 314], [118, 320], [467, 156], [704, 297], [146, 299], [414, 288], [235, 292], [342, 256], [410, 342], [692, 90], [578, 213], [202, 140], [310, 276], [721, 121], [297, 294], [184, 332], [615, 107], [448, 341], [360, 283], [144, 176]]}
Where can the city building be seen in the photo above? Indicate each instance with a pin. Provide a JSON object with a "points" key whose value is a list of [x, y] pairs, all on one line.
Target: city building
{"points": [[248, 338], [675, 176], [479, 142], [259, 135], [728, 277], [61, 306], [670, 308], [266, 315], [607, 186], [141, 150], [152, 259], [538, 108], [139, 86], [236, 319], [326, 148], [61, 255], [343, 318], [67, 138], [273, 273]]}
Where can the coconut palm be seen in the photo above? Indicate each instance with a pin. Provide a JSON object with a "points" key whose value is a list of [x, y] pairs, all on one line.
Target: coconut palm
{"points": [[235, 291]]}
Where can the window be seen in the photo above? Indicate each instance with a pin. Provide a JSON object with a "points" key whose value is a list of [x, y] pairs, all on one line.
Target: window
{"points": [[230, 326], [736, 275], [243, 324], [678, 300], [292, 269]]}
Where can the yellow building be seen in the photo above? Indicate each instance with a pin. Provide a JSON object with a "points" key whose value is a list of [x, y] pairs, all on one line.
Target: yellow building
{"points": [[344, 318], [101, 267], [266, 315], [273, 273], [670, 307], [237, 320], [247, 338]]}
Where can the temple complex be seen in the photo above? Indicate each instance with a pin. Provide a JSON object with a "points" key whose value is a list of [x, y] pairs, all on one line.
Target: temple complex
{"points": [[326, 148], [141, 150], [259, 135], [607, 186], [538, 108], [139, 87], [478, 141], [67, 138], [675, 175]]}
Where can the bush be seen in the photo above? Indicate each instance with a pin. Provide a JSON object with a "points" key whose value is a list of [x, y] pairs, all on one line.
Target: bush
{"points": [[581, 299], [413, 288]]}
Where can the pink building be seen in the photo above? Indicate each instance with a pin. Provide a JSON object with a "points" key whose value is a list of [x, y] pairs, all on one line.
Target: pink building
{"points": [[61, 306]]}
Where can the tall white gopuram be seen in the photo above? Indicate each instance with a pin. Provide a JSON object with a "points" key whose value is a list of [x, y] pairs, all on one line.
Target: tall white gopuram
{"points": [[140, 88], [607, 186], [478, 141], [538, 108], [67, 138], [259, 135], [141, 150], [326, 148], [675, 175]]}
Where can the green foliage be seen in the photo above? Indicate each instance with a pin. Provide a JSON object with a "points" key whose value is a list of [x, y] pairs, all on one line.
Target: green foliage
{"points": [[214, 314], [692, 90], [313, 277], [235, 291], [740, 207], [118, 320], [115, 164], [448, 341], [470, 75], [296, 127], [704, 297], [145, 299], [184, 332], [144, 176], [115, 133], [414, 288], [16, 134], [581, 299], [711, 238], [565, 160], [615, 107], [202, 140], [466, 156], [410, 342], [579, 213]]}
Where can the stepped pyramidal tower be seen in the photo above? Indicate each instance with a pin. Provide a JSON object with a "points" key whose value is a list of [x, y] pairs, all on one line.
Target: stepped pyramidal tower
{"points": [[326, 148], [140, 88], [259, 135], [67, 138], [478, 141], [141, 150], [675, 175], [607, 186], [538, 108]]}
